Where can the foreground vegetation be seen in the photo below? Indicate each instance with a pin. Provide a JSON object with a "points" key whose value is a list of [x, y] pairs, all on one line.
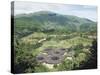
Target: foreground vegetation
{"points": [[27, 48]]}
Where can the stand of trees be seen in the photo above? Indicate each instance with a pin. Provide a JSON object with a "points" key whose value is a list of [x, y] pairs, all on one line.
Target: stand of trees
{"points": [[91, 63]]}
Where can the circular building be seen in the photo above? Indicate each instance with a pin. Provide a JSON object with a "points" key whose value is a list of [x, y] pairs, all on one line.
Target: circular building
{"points": [[52, 59], [63, 49], [47, 50], [41, 58], [57, 53]]}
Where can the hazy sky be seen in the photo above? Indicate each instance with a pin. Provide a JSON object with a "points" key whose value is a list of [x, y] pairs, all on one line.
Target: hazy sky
{"points": [[83, 11]]}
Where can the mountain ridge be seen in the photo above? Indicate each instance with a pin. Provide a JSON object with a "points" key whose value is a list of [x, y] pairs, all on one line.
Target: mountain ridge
{"points": [[47, 21]]}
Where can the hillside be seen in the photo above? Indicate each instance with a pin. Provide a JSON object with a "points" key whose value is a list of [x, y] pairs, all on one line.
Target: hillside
{"points": [[46, 21]]}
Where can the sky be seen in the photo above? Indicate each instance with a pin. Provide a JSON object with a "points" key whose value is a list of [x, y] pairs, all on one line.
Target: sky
{"points": [[84, 11]]}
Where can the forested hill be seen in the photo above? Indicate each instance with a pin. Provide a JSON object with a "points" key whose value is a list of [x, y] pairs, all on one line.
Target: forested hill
{"points": [[46, 21]]}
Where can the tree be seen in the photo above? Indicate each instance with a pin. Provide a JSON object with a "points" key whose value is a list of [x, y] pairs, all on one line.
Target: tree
{"points": [[91, 63]]}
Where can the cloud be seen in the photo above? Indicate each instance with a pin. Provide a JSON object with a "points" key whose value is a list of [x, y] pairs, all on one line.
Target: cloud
{"points": [[84, 11]]}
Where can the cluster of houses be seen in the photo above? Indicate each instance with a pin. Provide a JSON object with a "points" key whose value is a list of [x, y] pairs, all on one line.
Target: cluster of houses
{"points": [[52, 56]]}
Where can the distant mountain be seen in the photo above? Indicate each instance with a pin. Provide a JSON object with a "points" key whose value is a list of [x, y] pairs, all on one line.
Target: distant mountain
{"points": [[47, 20]]}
